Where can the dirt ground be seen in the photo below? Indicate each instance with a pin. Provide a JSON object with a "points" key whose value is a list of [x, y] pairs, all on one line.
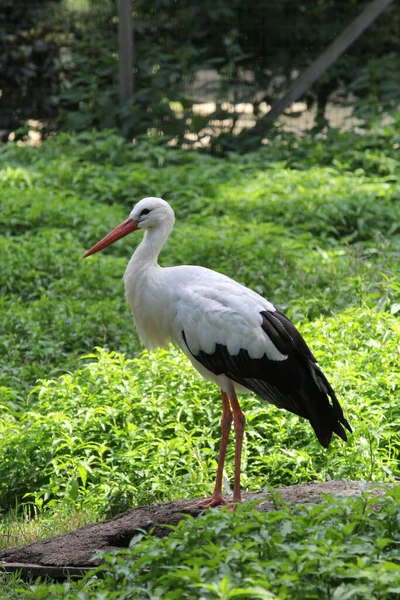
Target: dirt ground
{"points": [[73, 554]]}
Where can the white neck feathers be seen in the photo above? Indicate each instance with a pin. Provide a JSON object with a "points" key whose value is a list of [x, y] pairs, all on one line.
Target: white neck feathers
{"points": [[146, 254]]}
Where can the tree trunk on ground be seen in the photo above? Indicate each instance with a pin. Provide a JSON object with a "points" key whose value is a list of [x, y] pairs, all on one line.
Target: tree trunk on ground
{"points": [[73, 554]]}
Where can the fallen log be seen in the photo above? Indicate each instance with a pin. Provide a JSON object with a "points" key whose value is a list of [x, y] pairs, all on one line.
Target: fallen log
{"points": [[74, 554]]}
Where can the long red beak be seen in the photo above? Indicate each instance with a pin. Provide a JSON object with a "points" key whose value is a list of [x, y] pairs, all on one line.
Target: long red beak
{"points": [[116, 234]]}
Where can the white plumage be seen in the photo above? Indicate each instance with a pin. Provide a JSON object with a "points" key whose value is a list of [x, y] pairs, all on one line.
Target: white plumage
{"points": [[232, 335]]}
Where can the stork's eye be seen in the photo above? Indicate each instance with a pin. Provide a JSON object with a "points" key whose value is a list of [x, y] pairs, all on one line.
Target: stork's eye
{"points": [[144, 212]]}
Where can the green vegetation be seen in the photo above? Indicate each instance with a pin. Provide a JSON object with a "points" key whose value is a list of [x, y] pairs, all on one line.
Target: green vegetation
{"points": [[341, 549], [315, 226], [60, 66], [350, 551]]}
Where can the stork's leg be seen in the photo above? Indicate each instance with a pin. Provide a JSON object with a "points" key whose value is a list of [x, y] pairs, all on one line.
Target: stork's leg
{"points": [[238, 423], [226, 422]]}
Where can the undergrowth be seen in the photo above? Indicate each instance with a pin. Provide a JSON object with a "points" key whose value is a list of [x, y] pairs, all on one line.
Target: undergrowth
{"points": [[340, 549], [314, 225], [120, 432]]}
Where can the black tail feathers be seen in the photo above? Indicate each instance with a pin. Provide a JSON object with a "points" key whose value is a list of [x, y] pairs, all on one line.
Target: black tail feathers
{"points": [[327, 418]]}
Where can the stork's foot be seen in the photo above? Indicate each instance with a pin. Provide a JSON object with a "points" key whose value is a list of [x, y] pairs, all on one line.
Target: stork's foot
{"points": [[215, 500]]}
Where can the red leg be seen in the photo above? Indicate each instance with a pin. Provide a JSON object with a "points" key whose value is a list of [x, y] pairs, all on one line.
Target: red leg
{"points": [[238, 423], [226, 422]]}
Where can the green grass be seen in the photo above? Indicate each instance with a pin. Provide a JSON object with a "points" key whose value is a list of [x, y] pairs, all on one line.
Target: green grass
{"points": [[314, 239], [23, 525], [340, 549], [120, 432], [314, 225]]}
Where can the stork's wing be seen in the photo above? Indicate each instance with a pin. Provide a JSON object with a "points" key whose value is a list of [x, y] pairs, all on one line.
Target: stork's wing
{"points": [[261, 349]]}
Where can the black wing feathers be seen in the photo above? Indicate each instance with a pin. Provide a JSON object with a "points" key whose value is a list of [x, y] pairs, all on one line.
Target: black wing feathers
{"points": [[296, 383]]}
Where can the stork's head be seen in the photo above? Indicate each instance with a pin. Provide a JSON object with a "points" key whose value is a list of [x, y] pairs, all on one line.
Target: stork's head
{"points": [[149, 213]]}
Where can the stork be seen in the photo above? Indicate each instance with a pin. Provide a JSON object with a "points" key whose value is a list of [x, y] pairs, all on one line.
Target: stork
{"points": [[231, 335]]}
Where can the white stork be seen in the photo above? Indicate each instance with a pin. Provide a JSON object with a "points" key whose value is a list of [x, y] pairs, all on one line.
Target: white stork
{"points": [[231, 335]]}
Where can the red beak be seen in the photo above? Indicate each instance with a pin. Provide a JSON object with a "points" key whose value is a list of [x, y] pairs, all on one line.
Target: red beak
{"points": [[116, 234]]}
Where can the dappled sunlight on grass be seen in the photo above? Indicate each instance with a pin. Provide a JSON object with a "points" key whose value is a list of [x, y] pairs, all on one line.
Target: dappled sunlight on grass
{"points": [[26, 524], [313, 239], [314, 225], [120, 431]]}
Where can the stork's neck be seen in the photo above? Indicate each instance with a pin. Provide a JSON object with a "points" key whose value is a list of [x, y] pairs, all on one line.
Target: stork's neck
{"points": [[146, 254]]}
